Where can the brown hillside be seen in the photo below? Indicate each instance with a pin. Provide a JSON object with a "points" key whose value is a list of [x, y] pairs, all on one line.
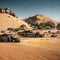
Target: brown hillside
{"points": [[38, 18]]}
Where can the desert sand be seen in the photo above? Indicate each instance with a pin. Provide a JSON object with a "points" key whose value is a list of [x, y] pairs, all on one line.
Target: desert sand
{"points": [[31, 49]]}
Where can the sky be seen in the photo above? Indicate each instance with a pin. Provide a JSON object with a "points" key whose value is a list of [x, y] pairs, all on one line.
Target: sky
{"points": [[27, 8]]}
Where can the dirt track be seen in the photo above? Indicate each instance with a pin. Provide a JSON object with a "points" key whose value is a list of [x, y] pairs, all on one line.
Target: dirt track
{"points": [[17, 51]]}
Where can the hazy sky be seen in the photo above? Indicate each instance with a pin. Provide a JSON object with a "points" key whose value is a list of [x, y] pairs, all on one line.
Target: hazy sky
{"points": [[26, 8]]}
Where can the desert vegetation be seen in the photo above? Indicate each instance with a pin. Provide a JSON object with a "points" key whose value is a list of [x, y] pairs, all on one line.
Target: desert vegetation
{"points": [[41, 25], [22, 27], [58, 26], [32, 34]]}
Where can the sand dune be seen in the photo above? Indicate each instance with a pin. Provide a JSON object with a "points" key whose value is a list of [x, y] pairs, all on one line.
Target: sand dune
{"points": [[8, 21], [34, 50]]}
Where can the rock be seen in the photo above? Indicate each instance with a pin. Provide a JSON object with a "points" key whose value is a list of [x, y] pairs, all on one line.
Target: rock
{"points": [[12, 13], [7, 10], [2, 10]]}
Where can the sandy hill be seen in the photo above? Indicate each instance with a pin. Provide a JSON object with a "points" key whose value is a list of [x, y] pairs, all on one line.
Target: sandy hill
{"points": [[38, 18], [10, 21]]}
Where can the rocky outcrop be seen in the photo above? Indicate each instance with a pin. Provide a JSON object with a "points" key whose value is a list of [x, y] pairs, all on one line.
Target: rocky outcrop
{"points": [[7, 11], [2, 10]]}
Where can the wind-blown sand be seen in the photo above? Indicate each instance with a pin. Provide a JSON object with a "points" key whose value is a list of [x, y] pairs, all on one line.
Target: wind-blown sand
{"points": [[37, 49]]}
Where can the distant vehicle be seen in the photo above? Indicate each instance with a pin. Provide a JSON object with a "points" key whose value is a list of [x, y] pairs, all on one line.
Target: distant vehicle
{"points": [[8, 38]]}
